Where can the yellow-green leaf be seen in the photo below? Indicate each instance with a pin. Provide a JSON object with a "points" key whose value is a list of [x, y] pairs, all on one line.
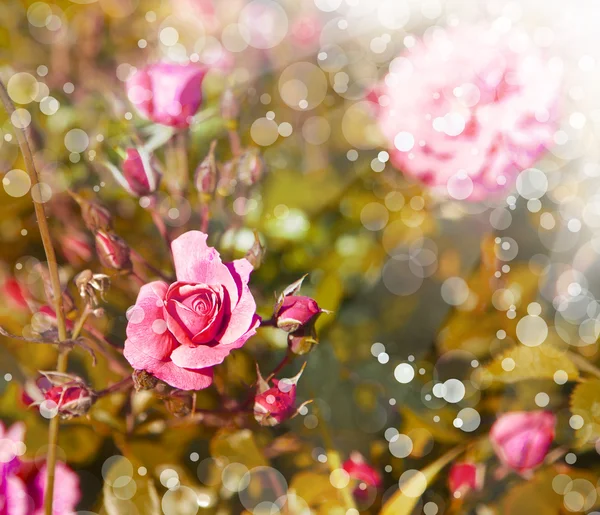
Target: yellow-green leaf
{"points": [[585, 402], [126, 493], [405, 499], [520, 363], [317, 491], [237, 447]]}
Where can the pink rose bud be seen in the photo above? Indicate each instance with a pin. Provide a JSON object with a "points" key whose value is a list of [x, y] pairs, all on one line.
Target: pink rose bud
{"points": [[205, 177], [13, 291], [275, 404], [112, 251], [522, 439], [140, 176], [358, 469], [71, 401], [95, 216], [296, 311], [464, 477], [250, 167], [167, 93], [464, 111]]}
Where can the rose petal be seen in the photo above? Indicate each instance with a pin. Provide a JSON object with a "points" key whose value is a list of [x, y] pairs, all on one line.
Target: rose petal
{"points": [[202, 356], [195, 262], [242, 318], [66, 490], [16, 498], [145, 329]]}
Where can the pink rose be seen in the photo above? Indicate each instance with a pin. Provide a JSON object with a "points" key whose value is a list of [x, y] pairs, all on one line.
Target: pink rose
{"points": [[179, 332], [522, 439], [358, 468], [465, 110], [167, 93], [23, 482], [464, 477]]}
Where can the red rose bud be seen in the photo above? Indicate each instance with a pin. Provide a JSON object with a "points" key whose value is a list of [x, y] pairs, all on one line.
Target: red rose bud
{"points": [[464, 477], [205, 177], [140, 176], [68, 394], [15, 293], [250, 167], [522, 439], [95, 216], [359, 470], [296, 311], [112, 251], [76, 248], [275, 404], [71, 401]]}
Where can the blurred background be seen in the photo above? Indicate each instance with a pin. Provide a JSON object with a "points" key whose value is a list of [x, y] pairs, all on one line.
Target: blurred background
{"points": [[404, 273]]}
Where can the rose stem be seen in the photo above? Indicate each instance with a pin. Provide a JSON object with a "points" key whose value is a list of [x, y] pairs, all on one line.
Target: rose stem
{"points": [[63, 353]]}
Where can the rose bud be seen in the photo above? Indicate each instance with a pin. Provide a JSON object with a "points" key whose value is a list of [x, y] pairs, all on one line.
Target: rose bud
{"points": [[14, 292], [112, 251], [464, 477], [205, 177], [522, 439], [167, 93], [250, 167], [95, 216], [71, 401], [76, 248], [140, 176], [358, 469], [274, 404], [296, 311], [230, 108]]}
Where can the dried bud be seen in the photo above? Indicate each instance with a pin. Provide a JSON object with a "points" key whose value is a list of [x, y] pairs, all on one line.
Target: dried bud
{"points": [[179, 403], [140, 175], [143, 380], [68, 394], [250, 167], [90, 284], [519, 430], [274, 404], [359, 470], [112, 251], [230, 108], [95, 216], [464, 477], [256, 253], [205, 177]]}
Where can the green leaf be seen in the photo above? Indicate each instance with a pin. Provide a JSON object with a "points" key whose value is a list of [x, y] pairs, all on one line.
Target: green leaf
{"points": [[585, 402], [405, 499], [237, 447], [521, 363]]}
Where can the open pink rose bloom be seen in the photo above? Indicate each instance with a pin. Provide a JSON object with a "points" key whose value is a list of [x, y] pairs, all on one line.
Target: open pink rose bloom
{"points": [[178, 332], [464, 112]]}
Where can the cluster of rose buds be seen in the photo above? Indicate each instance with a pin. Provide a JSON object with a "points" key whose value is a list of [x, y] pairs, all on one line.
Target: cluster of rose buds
{"points": [[297, 314], [274, 404], [68, 394]]}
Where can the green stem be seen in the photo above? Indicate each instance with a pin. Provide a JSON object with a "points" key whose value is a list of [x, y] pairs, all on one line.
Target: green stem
{"points": [[40, 214]]}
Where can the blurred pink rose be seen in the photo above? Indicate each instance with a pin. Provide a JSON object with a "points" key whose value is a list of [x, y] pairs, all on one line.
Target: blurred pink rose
{"points": [[306, 30], [357, 468], [167, 93], [179, 332], [23, 482], [465, 110], [464, 477], [522, 439]]}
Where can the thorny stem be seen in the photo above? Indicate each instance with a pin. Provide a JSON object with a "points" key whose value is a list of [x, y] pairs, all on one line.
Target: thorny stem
{"points": [[40, 214]]}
